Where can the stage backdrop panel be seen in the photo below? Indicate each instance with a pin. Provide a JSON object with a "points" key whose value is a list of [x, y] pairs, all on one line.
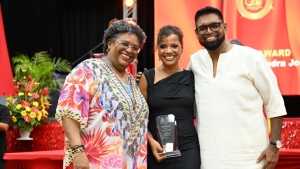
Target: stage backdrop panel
{"points": [[266, 25]]}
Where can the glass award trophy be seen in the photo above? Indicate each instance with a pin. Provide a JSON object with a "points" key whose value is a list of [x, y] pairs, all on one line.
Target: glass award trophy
{"points": [[167, 135]]}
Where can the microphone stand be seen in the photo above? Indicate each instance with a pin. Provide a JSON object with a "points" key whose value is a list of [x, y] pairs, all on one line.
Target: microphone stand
{"points": [[90, 52]]}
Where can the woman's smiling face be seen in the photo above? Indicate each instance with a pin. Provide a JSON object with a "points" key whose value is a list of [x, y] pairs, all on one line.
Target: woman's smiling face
{"points": [[123, 50], [170, 50]]}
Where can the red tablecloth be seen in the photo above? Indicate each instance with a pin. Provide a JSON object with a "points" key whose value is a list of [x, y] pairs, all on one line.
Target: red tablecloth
{"points": [[288, 159], [290, 135], [37, 159]]}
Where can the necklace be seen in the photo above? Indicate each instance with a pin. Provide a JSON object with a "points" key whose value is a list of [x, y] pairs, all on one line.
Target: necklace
{"points": [[129, 96], [124, 80]]}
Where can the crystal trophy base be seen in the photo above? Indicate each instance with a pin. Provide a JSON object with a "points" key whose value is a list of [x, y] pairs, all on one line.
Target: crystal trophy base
{"points": [[171, 154]]}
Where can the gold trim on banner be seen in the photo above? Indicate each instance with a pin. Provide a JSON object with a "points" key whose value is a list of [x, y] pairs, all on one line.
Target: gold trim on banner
{"points": [[254, 9]]}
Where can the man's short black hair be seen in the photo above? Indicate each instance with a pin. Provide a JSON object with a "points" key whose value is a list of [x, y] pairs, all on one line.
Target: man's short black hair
{"points": [[206, 11]]}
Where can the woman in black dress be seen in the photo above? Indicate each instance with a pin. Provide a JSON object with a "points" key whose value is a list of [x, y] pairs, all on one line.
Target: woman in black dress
{"points": [[170, 89]]}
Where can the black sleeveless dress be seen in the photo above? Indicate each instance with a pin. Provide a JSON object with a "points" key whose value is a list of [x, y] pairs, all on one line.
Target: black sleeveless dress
{"points": [[174, 95]]}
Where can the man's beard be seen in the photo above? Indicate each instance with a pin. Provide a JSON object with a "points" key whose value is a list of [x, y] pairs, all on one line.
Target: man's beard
{"points": [[213, 45]]}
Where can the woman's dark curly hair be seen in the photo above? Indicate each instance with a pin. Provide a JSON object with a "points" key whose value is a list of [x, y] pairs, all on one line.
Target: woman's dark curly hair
{"points": [[121, 27]]}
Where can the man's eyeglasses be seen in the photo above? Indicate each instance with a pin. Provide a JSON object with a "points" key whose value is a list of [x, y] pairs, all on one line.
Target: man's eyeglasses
{"points": [[126, 45], [202, 29]]}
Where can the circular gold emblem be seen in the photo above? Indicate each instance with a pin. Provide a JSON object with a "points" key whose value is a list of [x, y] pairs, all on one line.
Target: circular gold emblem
{"points": [[254, 9]]}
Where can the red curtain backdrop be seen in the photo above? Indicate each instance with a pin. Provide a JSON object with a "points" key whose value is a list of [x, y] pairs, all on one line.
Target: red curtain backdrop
{"points": [[267, 25], [6, 80]]}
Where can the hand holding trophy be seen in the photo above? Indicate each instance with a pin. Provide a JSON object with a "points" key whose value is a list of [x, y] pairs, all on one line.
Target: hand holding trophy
{"points": [[167, 135]]}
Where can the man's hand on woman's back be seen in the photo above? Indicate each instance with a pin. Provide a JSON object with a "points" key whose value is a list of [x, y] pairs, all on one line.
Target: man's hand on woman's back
{"points": [[139, 75]]}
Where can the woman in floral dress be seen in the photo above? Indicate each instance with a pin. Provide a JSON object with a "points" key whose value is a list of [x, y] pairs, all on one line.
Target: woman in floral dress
{"points": [[101, 109]]}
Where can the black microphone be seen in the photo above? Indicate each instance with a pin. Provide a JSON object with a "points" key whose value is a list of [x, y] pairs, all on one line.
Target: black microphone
{"points": [[90, 52]]}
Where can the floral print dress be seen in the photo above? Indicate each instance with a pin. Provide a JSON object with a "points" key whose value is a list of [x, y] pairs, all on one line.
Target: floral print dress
{"points": [[113, 116]]}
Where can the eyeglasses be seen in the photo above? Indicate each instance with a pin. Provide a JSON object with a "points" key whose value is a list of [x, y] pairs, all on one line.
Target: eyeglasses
{"points": [[202, 29], [126, 45]]}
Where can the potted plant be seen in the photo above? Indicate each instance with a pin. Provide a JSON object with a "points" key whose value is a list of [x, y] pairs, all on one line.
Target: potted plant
{"points": [[33, 79]]}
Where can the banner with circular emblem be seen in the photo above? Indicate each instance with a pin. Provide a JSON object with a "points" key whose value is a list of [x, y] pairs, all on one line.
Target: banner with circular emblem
{"points": [[270, 26]]}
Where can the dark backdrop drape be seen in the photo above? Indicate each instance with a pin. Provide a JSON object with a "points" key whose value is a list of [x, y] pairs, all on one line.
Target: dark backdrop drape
{"points": [[29, 25], [69, 28]]}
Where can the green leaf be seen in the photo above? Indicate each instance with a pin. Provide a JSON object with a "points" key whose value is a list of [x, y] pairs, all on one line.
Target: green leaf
{"points": [[32, 121]]}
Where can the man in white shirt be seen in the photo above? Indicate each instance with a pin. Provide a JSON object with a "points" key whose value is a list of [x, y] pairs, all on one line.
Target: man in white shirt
{"points": [[232, 83]]}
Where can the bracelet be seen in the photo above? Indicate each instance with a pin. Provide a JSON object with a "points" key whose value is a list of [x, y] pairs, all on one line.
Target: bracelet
{"points": [[77, 149]]}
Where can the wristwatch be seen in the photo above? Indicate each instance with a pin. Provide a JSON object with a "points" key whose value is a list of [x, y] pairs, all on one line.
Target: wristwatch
{"points": [[276, 143]]}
